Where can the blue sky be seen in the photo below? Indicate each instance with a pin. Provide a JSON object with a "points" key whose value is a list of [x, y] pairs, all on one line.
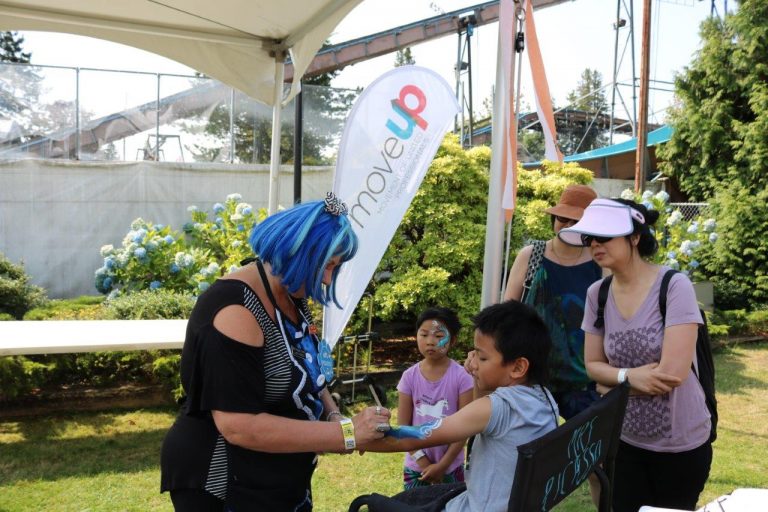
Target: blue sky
{"points": [[573, 36]]}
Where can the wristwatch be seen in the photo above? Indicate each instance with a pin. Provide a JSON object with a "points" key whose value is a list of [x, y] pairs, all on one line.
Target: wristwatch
{"points": [[623, 374], [418, 454]]}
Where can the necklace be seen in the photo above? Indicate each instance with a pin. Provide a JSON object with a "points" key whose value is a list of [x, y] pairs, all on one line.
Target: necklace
{"points": [[564, 259]]}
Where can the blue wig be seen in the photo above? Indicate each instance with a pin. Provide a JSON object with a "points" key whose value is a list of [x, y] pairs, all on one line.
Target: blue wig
{"points": [[299, 242]]}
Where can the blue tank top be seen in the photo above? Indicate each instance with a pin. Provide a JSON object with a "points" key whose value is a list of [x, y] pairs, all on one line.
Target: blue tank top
{"points": [[558, 294]]}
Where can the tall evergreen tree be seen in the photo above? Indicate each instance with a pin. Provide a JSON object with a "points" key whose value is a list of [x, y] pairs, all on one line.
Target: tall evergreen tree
{"points": [[583, 130], [404, 58], [719, 147], [11, 48]]}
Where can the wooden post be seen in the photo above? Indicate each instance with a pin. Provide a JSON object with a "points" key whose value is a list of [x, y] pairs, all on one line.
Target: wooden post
{"points": [[641, 160]]}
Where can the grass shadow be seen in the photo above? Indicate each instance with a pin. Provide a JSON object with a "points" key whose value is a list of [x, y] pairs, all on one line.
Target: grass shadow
{"points": [[110, 444], [732, 372]]}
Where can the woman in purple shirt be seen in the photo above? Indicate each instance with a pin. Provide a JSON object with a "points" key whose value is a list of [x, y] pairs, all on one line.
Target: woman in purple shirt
{"points": [[665, 454]]}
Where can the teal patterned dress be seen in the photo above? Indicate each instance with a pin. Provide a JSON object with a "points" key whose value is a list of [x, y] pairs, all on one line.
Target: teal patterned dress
{"points": [[558, 294]]}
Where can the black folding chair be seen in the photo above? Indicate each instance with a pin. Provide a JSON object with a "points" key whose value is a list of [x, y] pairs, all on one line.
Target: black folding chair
{"points": [[550, 467]]}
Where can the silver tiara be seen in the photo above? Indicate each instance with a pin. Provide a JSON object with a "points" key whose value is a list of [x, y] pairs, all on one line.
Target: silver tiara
{"points": [[334, 205]]}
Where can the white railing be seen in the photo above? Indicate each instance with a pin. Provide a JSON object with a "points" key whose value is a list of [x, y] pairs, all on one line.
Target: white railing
{"points": [[71, 336]]}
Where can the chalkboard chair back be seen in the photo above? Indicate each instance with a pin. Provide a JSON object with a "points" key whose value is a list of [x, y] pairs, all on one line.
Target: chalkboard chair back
{"points": [[556, 464]]}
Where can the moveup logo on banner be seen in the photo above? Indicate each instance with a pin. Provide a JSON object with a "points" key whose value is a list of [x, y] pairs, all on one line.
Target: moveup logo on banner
{"points": [[389, 141]]}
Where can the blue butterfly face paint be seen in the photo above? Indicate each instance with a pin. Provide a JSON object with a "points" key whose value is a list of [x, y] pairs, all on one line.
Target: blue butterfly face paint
{"points": [[414, 431], [439, 329]]}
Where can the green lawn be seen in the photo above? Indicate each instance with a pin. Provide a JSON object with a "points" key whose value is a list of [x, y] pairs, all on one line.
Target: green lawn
{"points": [[109, 460]]}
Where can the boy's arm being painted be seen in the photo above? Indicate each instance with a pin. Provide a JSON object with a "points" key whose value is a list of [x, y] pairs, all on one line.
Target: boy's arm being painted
{"points": [[468, 421]]}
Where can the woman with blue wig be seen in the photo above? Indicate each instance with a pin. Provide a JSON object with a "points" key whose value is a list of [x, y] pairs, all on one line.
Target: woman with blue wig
{"points": [[251, 422]]}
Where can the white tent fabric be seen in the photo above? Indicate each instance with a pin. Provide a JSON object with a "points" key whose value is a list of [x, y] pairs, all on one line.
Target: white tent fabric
{"points": [[233, 41], [243, 43]]}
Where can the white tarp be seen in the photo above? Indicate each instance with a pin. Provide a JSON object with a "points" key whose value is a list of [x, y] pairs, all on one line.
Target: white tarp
{"points": [[230, 40], [389, 141]]}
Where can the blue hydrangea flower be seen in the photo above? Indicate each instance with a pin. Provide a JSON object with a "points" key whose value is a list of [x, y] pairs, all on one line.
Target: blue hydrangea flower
{"points": [[101, 271], [672, 255], [234, 197], [709, 225], [247, 210], [188, 260], [175, 268], [154, 285], [203, 285], [168, 239], [713, 237], [694, 264], [236, 243], [693, 228], [218, 208], [240, 227], [647, 195], [662, 196], [151, 246], [113, 294], [213, 267], [647, 204], [140, 235], [109, 262], [673, 264], [674, 218], [686, 248], [107, 283], [159, 227], [140, 253], [219, 221]]}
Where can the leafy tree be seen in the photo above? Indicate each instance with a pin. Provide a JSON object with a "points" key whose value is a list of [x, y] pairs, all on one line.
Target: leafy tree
{"points": [[588, 100], [404, 58], [719, 151]]}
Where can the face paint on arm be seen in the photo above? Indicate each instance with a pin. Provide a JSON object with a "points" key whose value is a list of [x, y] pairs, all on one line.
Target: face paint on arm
{"points": [[414, 431]]}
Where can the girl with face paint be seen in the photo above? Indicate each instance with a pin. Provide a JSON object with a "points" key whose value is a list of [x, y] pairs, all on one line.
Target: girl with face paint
{"points": [[435, 387]]}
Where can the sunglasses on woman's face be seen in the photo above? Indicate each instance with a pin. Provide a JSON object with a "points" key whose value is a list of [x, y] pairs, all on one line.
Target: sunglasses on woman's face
{"points": [[586, 240], [564, 220]]}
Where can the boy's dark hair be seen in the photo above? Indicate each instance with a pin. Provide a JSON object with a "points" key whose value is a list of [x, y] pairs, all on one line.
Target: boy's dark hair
{"points": [[647, 245], [446, 316], [518, 331]]}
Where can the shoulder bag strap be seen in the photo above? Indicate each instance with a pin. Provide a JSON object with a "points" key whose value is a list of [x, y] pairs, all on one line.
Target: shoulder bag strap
{"points": [[534, 262]]}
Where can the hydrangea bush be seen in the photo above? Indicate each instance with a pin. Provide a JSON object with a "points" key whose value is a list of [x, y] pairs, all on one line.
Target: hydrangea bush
{"points": [[154, 256], [684, 243]]}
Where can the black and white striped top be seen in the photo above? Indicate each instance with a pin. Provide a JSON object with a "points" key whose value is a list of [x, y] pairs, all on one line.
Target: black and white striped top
{"points": [[219, 373]]}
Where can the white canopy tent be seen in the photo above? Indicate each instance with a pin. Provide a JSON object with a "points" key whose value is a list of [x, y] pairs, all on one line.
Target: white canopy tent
{"points": [[243, 43]]}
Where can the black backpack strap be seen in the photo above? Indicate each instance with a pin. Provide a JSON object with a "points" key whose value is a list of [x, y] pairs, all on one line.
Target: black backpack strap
{"points": [[534, 262], [602, 298], [666, 278]]}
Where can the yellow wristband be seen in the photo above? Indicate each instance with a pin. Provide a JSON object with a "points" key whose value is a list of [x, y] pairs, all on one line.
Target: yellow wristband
{"points": [[348, 430]]}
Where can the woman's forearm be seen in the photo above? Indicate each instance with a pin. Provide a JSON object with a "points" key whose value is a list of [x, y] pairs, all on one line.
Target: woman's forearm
{"points": [[275, 434]]}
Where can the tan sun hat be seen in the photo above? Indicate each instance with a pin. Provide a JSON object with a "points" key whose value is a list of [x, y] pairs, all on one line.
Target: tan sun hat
{"points": [[573, 201]]}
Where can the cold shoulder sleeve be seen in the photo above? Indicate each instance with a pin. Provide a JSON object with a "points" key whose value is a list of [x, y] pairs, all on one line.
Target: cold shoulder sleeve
{"points": [[224, 375]]}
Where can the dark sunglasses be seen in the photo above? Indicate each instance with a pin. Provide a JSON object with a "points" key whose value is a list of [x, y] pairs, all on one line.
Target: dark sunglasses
{"points": [[564, 220], [586, 240]]}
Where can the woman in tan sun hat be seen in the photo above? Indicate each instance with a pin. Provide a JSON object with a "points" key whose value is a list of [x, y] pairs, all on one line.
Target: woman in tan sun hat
{"points": [[553, 277]]}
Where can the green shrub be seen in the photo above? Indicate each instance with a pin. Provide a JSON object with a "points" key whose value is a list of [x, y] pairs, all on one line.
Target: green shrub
{"points": [[20, 375], [150, 305], [17, 296], [5, 317], [436, 255], [81, 308], [166, 368]]}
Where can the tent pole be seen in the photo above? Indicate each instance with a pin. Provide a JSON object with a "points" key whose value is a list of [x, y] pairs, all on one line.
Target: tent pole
{"points": [[274, 156], [494, 229]]}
